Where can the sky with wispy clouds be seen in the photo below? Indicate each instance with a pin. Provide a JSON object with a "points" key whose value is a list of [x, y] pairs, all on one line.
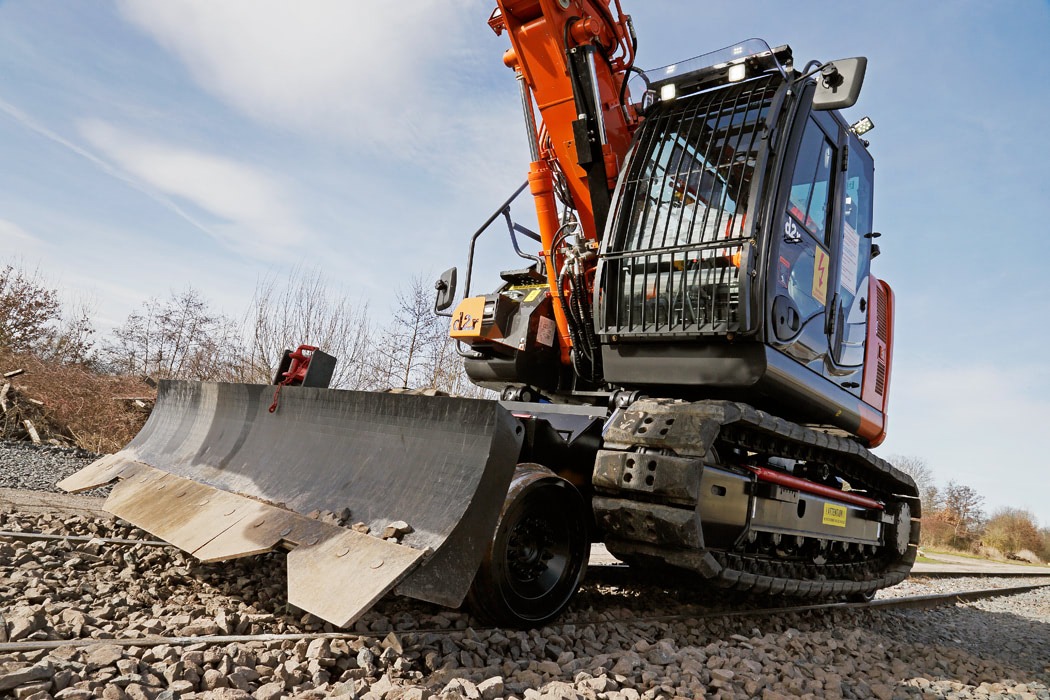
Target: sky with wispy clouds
{"points": [[147, 146]]}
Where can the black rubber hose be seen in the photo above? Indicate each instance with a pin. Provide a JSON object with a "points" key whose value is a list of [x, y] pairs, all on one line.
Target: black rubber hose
{"points": [[570, 319], [623, 86], [587, 321]]}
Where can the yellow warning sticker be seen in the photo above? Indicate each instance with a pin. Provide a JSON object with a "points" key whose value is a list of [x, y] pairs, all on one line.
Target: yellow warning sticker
{"points": [[821, 263], [834, 515], [466, 319], [533, 294]]}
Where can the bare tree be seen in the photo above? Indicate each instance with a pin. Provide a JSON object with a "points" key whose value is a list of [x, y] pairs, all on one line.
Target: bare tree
{"points": [[932, 500], [73, 341], [415, 350], [33, 319], [28, 309], [1044, 545], [447, 373], [962, 507], [404, 355], [920, 472], [178, 338], [301, 310]]}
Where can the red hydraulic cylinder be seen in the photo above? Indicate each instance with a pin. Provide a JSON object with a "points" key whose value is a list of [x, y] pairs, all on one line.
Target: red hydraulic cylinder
{"points": [[777, 477]]}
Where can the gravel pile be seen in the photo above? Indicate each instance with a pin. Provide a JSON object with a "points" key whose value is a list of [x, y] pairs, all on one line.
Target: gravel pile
{"points": [[605, 648], [37, 467]]}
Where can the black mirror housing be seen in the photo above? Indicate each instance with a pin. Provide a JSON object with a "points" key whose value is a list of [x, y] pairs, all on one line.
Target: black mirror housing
{"points": [[839, 83], [446, 290]]}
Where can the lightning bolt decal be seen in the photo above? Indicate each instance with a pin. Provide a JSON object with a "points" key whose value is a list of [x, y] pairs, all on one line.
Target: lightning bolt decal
{"points": [[820, 275]]}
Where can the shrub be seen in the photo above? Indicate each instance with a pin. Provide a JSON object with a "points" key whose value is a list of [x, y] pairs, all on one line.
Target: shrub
{"points": [[76, 405], [1011, 530]]}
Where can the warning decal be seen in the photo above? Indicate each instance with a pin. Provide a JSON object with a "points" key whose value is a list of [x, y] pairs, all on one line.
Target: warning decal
{"points": [[821, 265], [834, 515], [545, 332], [850, 255]]}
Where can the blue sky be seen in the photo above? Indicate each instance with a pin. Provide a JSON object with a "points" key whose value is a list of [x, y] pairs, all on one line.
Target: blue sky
{"points": [[148, 146]]}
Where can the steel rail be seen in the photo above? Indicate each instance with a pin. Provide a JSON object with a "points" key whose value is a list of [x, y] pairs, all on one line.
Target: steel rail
{"points": [[612, 570], [979, 574], [622, 574], [903, 603]]}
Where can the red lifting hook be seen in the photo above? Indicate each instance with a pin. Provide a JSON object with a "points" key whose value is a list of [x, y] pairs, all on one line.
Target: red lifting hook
{"points": [[296, 371]]}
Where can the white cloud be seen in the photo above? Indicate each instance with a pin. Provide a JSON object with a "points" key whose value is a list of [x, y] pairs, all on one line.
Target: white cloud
{"points": [[402, 89], [250, 207], [253, 218], [15, 239], [376, 72]]}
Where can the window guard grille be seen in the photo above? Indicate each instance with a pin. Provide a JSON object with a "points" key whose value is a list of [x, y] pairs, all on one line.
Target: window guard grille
{"points": [[672, 264]]}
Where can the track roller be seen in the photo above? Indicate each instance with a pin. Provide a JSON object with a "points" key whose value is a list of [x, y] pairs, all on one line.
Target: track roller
{"points": [[538, 553]]}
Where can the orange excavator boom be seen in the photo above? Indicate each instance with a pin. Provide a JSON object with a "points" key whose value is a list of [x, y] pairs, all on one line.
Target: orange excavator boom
{"points": [[572, 60]]}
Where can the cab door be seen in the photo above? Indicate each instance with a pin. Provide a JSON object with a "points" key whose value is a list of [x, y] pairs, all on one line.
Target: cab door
{"points": [[851, 248], [805, 229]]}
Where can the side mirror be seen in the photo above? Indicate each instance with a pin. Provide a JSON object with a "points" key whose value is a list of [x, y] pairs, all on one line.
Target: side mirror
{"points": [[839, 83], [446, 291]]}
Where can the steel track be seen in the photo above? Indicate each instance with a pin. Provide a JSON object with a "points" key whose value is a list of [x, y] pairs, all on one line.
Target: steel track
{"points": [[712, 425]]}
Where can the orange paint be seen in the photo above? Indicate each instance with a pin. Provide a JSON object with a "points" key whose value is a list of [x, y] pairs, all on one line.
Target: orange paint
{"points": [[467, 319], [878, 351], [872, 425], [537, 30], [541, 184]]}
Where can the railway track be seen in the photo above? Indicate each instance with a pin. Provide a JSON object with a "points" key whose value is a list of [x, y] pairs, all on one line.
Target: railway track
{"points": [[608, 570], [628, 630], [601, 575], [920, 602]]}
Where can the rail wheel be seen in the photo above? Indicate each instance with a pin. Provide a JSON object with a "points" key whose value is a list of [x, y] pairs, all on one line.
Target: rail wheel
{"points": [[538, 553], [865, 597]]}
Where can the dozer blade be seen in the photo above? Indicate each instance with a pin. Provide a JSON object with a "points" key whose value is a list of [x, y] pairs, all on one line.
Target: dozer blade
{"points": [[214, 473]]}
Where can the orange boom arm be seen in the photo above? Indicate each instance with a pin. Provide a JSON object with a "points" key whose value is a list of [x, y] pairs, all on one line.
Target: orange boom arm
{"points": [[572, 58]]}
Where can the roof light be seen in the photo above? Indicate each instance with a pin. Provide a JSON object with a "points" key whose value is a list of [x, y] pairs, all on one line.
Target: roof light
{"points": [[737, 72], [863, 126], [668, 92], [717, 68]]}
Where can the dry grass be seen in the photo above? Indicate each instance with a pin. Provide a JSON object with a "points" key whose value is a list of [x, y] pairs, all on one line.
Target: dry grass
{"points": [[77, 405]]}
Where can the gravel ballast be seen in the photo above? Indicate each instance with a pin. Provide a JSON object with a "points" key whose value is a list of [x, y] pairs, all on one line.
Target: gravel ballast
{"points": [[38, 467], [605, 647]]}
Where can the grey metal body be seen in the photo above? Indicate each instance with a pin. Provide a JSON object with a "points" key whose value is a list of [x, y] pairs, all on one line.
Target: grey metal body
{"points": [[218, 475]]}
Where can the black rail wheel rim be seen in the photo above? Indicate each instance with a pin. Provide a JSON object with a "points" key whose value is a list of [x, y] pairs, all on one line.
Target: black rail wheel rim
{"points": [[538, 553]]}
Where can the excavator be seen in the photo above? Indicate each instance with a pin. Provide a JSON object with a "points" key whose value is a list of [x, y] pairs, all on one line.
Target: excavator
{"points": [[692, 369]]}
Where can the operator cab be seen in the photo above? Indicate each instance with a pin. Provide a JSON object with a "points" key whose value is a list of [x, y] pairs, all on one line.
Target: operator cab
{"points": [[736, 260]]}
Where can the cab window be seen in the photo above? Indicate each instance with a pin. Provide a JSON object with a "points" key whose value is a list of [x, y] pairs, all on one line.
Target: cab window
{"points": [[811, 184], [856, 227]]}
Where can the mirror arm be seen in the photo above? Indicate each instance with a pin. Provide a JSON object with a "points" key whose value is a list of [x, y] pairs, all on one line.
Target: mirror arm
{"points": [[440, 286], [811, 69]]}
